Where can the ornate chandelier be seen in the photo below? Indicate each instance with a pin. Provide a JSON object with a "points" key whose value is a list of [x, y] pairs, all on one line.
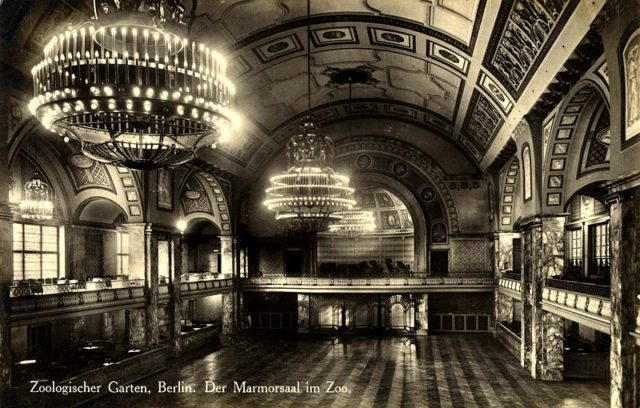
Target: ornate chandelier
{"points": [[130, 89], [310, 194], [36, 202], [354, 221]]}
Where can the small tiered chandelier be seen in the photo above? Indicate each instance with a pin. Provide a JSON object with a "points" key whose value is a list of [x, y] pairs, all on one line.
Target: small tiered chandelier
{"points": [[355, 220], [310, 194], [36, 204], [130, 89]]}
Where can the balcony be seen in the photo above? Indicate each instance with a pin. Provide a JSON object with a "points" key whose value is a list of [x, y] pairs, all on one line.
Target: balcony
{"points": [[469, 282], [76, 301], [195, 285], [586, 303], [51, 301], [509, 284]]}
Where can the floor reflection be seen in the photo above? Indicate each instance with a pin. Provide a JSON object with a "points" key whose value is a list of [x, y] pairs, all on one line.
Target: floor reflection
{"points": [[437, 371]]}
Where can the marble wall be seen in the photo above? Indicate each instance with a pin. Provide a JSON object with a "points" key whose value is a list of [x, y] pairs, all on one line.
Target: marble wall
{"points": [[136, 326]]}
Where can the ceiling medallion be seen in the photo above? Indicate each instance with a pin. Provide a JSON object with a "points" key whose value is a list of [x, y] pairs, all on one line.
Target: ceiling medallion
{"points": [[131, 89]]}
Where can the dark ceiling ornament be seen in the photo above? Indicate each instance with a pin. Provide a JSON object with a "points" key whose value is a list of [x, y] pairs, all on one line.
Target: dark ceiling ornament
{"points": [[131, 89], [362, 74]]}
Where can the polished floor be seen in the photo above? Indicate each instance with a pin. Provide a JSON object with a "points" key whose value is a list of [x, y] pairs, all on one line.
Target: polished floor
{"points": [[438, 371]]}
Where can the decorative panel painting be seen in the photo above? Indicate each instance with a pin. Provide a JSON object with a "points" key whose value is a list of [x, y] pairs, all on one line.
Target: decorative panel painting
{"points": [[631, 67]]}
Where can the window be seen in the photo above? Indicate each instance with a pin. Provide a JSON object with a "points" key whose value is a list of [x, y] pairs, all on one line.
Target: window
{"points": [[599, 250], [122, 253], [35, 252], [526, 173], [574, 252]]}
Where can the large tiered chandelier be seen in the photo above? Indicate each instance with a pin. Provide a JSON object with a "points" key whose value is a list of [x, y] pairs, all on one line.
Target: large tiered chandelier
{"points": [[130, 89], [36, 204], [355, 220], [310, 194]]}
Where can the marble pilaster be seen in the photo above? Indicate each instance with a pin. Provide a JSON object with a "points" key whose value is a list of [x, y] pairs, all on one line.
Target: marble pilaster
{"points": [[503, 308], [175, 302], [106, 323], [303, 313], [228, 320], [78, 328], [136, 326], [421, 304], [79, 253]]}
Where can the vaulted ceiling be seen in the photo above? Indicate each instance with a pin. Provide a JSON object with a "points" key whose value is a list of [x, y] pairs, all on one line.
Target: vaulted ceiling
{"points": [[462, 74]]}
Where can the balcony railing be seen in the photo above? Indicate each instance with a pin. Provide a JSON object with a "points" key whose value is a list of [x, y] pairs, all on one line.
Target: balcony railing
{"points": [[52, 304], [592, 289], [32, 288], [278, 282]]}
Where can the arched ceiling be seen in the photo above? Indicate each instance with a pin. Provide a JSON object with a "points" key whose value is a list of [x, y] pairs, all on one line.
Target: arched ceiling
{"points": [[465, 70]]}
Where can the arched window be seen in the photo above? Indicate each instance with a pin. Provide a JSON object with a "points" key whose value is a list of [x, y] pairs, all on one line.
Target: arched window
{"points": [[526, 173]]}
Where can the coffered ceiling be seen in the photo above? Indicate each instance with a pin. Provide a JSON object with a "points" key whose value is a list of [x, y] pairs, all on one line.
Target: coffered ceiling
{"points": [[462, 73]]}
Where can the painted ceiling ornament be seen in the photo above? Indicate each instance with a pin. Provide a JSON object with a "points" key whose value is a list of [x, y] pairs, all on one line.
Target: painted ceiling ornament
{"points": [[131, 89]]}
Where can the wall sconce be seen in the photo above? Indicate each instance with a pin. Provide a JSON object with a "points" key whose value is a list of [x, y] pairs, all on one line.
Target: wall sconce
{"points": [[181, 225]]}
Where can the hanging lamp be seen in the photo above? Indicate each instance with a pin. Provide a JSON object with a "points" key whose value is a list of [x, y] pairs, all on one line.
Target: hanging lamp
{"points": [[310, 194], [131, 89]]}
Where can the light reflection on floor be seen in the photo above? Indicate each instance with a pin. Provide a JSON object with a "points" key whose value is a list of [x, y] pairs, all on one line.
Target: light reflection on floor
{"points": [[438, 371]]}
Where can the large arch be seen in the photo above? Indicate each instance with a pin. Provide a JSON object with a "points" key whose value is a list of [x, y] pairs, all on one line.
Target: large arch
{"points": [[409, 166], [574, 126]]}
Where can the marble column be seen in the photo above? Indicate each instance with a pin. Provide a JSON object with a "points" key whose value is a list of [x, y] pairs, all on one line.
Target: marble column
{"points": [[228, 321], [303, 313], [136, 327], [6, 276], [145, 266], [421, 304], [624, 210], [106, 323], [175, 302], [543, 241]]}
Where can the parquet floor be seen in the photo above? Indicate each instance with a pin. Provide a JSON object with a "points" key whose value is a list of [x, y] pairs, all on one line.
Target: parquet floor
{"points": [[439, 371]]}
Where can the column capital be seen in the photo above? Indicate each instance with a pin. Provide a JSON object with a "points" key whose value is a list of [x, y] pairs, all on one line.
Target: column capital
{"points": [[622, 187]]}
